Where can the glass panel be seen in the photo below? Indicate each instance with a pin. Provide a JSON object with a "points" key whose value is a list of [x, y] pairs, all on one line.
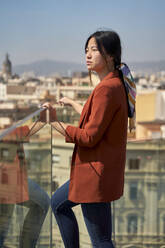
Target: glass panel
{"points": [[61, 158], [140, 214], [25, 185]]}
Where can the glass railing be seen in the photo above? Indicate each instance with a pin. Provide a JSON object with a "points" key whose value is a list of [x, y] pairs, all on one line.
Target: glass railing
{"points": [[34, 164], [140, 214], [25, 184]]}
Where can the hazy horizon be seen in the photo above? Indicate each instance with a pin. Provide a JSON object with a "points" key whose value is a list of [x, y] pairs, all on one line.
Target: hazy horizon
{"points": [[81, 62]]}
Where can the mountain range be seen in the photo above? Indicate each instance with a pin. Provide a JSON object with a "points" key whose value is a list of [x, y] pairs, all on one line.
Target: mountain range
{"points": [[49, 67], [52, 67]]}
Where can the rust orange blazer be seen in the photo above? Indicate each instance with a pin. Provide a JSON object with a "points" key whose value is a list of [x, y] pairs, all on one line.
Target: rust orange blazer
{"points": [[98, 160]]}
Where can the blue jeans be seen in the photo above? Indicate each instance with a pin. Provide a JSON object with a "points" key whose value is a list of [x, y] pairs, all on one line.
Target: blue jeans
{"points": [[38, 205], [97, 217]]}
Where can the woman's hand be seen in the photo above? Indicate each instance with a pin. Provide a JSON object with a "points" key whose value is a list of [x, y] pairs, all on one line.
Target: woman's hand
{"points": [[47, 105], [52, 113], [65, 101]]}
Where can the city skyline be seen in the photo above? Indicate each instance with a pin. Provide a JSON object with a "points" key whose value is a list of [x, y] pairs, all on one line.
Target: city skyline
{"points": [[57, 30]]}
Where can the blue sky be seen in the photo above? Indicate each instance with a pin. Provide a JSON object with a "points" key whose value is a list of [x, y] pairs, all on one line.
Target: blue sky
{"points": [[32, 30]]}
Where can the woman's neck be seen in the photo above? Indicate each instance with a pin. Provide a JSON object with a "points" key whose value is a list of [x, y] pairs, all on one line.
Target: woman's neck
{"points": [[102, 74]]}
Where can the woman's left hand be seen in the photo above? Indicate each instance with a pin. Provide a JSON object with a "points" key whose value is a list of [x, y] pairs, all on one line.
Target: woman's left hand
{"points": [[47, 105], [52, 112]]}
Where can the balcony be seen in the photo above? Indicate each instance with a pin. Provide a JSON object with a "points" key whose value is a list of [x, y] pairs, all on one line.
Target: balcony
{"points": [[35, 161]]}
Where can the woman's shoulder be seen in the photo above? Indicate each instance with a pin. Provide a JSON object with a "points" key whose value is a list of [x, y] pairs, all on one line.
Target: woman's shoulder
{"points": [[111, 84], [111, 79]]}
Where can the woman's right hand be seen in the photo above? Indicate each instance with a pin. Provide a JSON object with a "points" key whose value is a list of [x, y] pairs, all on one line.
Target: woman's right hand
{"points": [[65, 101]]}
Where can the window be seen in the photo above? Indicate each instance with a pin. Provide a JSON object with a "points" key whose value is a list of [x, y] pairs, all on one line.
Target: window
{"points": [[37, 157], [132, 224], [4, 178], [164, 224], [56, 158], [133, 191], [134, 163], [4, 153]]}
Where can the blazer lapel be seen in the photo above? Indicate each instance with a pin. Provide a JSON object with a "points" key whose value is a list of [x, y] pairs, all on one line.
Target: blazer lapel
{"points": [[85, 109]]}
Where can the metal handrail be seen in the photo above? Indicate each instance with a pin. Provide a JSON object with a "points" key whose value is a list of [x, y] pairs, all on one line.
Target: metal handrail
{"points": [[19, 123]]}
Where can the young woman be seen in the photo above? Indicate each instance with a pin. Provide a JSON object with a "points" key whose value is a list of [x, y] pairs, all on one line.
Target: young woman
{"points": [[98, 160]]}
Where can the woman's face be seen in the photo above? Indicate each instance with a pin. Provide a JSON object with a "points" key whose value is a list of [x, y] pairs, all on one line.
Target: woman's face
{"points": [[94, 59]]}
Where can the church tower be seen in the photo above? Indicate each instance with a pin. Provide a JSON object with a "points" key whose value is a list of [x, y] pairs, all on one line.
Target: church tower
{"points": [[7, 68]]}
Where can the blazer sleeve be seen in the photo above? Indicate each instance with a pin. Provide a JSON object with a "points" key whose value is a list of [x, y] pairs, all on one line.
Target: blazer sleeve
{"points": [[104, 107]]}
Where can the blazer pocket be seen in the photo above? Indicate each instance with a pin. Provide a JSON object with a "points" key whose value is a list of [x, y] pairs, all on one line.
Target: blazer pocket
{"points": [[97, 167]]}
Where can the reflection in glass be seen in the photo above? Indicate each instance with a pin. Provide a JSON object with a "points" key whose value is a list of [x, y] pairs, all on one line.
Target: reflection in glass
{"points": [[24, 203]]}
